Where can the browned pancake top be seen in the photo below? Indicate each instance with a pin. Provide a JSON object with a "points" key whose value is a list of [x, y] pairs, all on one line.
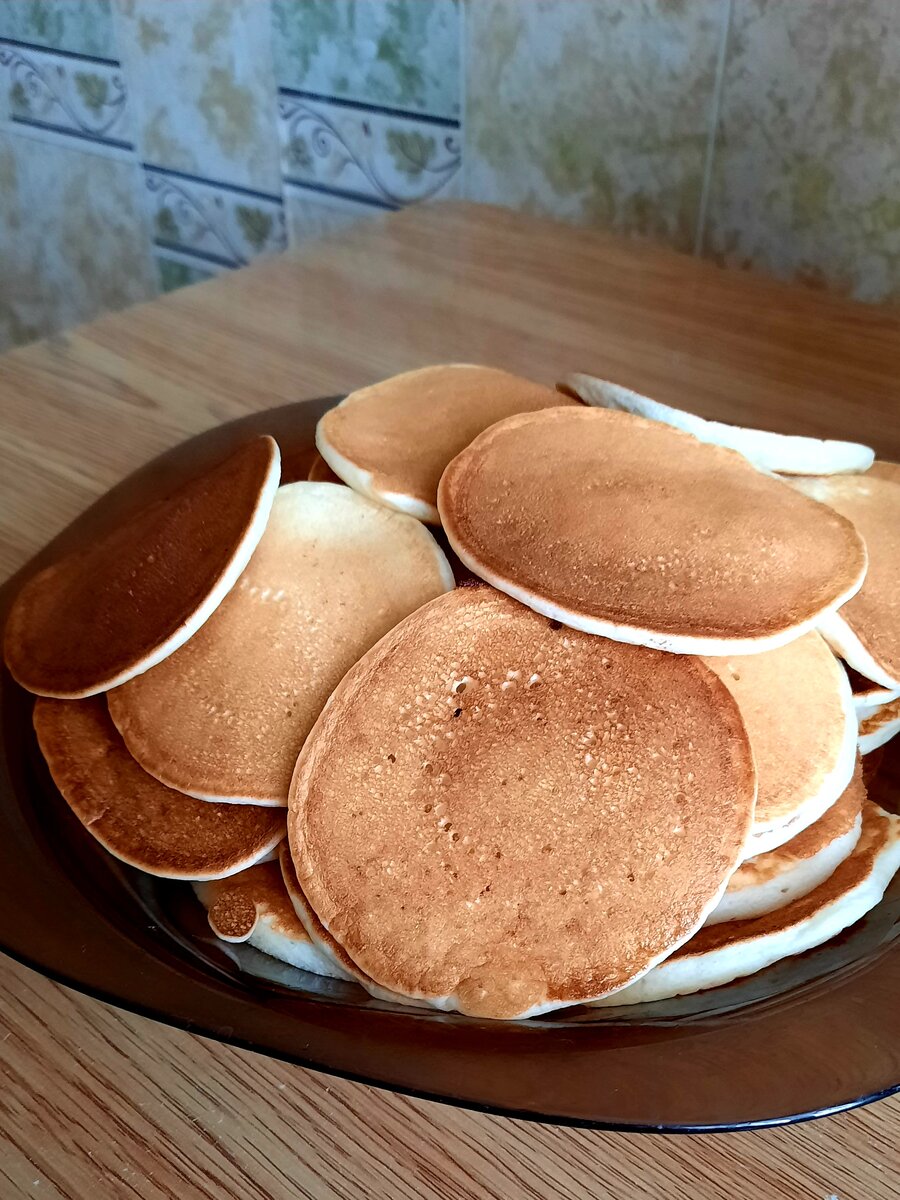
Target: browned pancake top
{"points": [[320, 472], [406, 429], [630, 522], [498, 808], [794, 704], [837, 821], [872, 502], [886, 714], [128, 811], [226, 714], [876, 832], [91, 619], [235, 904]]}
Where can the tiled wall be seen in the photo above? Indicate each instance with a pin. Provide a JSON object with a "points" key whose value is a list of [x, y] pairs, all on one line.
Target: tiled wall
{"points": [[146, 144]]}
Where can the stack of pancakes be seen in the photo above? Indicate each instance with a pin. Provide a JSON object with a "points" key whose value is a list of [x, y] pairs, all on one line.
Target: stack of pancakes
{"points": [[616, 759]]}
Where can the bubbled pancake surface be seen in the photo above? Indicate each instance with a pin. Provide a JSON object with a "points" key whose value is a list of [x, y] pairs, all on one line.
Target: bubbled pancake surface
{"points": [[110, 611], [225, 716], [502, 816], [137, 818], [639, 532]]}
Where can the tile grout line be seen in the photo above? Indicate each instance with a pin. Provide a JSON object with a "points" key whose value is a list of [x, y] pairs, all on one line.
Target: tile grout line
{"points": [[712, 136]]}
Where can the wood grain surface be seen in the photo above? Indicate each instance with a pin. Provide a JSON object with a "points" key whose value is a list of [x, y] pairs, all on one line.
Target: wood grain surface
{"points": [[96, 1103]]}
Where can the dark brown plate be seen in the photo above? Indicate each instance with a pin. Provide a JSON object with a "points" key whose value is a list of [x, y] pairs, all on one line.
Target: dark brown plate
{"points": [[810, 1036]]}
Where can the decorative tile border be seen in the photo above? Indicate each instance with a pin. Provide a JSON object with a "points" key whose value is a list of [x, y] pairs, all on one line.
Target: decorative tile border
{"points": [[373, 155], [58, 96], [210, 225]]}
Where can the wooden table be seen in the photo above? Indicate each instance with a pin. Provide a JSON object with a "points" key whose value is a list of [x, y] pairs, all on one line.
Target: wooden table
{"points": [[96, 1103]]}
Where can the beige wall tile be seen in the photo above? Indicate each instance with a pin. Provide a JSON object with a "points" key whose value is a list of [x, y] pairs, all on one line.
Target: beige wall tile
{"points": [[596, 110], [806, 177]]}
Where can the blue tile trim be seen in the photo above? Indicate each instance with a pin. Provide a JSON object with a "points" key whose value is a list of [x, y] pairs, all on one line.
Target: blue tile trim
{"points": [[341, 194], [190, 252], [219, 183], [67, 131], [362, 106], [106, 62]]}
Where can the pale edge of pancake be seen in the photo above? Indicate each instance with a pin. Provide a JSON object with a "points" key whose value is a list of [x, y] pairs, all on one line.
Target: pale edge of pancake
{"points": [[681, 977], [844, 642], [880, 735], [868, 703], [791, 453], [264, 854], [832, 788], [223, 586], [793, 884], [266, 938], [362, 481], [634, 635]]}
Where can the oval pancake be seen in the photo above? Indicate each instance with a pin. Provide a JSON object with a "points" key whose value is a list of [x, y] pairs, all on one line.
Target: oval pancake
{"points": [[392, 441], [770, 881], [868, 695], [134, 816], [253, 906], [500, 816], [719, 954], [320, 472], [788, 453], [225, 716], [877, 728], [866, 630], [101, 616], [798, 708], [635, 531]]}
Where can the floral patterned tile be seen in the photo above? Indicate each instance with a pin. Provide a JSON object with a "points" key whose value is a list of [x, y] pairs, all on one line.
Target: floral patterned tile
{"points": [[175, 273], [597, 111], [806, 177], [386, 158], [203, 87], [74, 235], [79, 26], [398, 53]]}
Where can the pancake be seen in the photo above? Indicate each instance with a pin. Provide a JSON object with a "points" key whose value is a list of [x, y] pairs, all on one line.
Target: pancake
{"points": [[770, 881], [635, 531], [787, 453], [867, 695], [879, 727], [131, 814], [885, 470], [503, 817], [99, 617], [320, 472], [720, 953], [225, 716], [798, 708], [392, 441], [866, 630], [254, 907]]}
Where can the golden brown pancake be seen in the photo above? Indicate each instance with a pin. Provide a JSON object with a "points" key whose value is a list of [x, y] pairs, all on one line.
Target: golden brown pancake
{"points": [[225, 716], [866, 630], [501, 816], [320, 472], [103, 615], [776, 878], [720, 953], [392, 441], [798, 708], [882, 469], [879, 727], [135, 817], [638, 532]]}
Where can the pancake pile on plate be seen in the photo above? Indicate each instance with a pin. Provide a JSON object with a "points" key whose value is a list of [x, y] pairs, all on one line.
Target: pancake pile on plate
{"points": [[617, 762]]}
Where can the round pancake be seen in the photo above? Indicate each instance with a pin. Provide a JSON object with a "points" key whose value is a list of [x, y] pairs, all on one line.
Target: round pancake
{"points": [[789, 454], [720, 953], [500, 816], [866, 630], [254, 907], [225, 716], [878, 727], [772, 880], [392, 441], [798, 708], [868, 695], [320, 472], [635, 531], [136, 818], [111, 611]]}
